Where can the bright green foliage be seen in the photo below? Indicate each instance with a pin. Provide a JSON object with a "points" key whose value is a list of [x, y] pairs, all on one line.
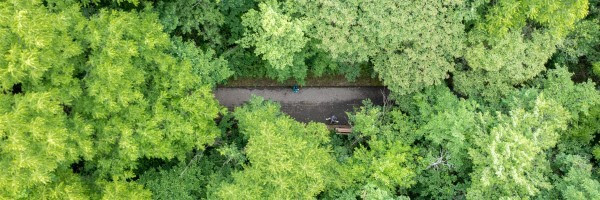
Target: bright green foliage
{"points": [[37, 48], [388, 165], [87, 4], [275, 36], [35, 141], [67, 185], [105, 91], [118, 55], [509, 41], [558, 16], [596, 151], [37, 52], [508, 160], [287, 159], [182, 109], [582, 103], [111, 99]]}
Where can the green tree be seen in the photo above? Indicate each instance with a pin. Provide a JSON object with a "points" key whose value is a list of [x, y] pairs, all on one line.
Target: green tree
{"points": [[104, 91], [209, 69], [124, 190], [87, 2], [36, 69], [449, 126], [382, 159], [512, 42], [201, 20], [410, 44], [449, 129], [414, 50], [36, 141], [276, 37], [121, 86], [581, 49], [508, 159], [286, 159], [181, 182], [576, 180], [578, 183], [583, 103]]}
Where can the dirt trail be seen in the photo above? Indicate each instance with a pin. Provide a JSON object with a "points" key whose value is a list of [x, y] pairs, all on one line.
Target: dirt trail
{"points": [[310, 104]]}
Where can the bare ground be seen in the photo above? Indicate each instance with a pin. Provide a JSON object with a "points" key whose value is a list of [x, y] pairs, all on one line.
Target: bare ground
{"points": [[310, 104]]}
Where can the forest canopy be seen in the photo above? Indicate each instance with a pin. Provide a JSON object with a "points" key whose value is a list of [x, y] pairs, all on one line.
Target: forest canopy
{"points": [[114, 99]]}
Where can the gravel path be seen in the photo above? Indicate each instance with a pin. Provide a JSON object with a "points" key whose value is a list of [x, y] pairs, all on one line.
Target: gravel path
{"points": [[310, 104]]}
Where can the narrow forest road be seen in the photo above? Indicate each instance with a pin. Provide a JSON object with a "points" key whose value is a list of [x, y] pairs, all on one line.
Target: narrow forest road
{"points": [[310, 104]]}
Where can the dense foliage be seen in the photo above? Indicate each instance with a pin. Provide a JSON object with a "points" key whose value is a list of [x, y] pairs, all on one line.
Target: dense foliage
{"points": [[113, 99], [97, 94]]}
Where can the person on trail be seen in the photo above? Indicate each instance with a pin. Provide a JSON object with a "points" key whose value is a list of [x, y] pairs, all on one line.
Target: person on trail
{"points": [[332, 119], [295, 89]]}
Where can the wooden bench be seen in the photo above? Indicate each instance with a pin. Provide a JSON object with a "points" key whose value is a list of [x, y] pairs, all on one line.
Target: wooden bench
{"points": [[343, 131], [340, 129]]}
